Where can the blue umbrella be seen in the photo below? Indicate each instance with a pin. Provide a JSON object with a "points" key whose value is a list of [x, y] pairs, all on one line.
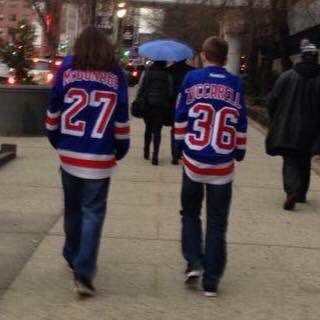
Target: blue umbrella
{"points": [[169, 50]]}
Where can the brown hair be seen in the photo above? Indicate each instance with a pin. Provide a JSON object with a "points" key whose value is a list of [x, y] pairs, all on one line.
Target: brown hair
{"points": [[93, 51], [215, 50]]}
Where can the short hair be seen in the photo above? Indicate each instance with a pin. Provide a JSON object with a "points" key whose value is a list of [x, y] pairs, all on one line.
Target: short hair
{"points": [[215, 50], [93, 51]]}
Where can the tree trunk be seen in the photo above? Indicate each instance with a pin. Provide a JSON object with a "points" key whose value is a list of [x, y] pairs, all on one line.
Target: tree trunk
{"points": [[281, 30], [93, 9]]}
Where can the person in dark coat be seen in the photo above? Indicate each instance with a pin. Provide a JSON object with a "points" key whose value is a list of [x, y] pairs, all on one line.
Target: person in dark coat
{"points": [[156, 90], [178, 71], [294, 109]]}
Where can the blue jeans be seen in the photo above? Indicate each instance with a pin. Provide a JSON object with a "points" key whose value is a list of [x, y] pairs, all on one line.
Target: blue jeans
{"points": [[214, 255], [85, 203]]}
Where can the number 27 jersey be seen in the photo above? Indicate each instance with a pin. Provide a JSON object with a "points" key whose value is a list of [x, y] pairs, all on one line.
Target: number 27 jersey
{"points": [[87, 120], [211, 124]]}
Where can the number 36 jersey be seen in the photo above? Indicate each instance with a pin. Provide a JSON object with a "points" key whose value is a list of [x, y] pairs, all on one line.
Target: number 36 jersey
{"points": [[87, 120], [211, 124]]}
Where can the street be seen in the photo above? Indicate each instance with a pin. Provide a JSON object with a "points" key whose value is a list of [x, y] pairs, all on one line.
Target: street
{"points": [[274, 256]]}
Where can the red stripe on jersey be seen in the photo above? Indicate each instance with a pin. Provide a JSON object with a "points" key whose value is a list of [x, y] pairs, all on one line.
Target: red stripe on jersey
{"points": [[179, 130], [95, 164], [52, 121], [208, 171], [124, 130], [241, 141]]}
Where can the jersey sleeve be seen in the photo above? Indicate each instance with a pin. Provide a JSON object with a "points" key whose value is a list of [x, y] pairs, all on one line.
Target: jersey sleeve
{"points": [[242, 125], [121, 125], [181, 119], [52, 121], [181, 114]]}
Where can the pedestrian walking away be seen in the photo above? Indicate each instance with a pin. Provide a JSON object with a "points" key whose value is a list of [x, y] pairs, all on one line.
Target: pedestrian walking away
{"points": [[87, 123], [294, 129], [156, 92], [178, 70], [210, 132]]}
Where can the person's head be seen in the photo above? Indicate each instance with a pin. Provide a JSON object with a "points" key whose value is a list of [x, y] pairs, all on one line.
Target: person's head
{"points": [[309, 51], [93, 51], [160, 63], [214, 51]]}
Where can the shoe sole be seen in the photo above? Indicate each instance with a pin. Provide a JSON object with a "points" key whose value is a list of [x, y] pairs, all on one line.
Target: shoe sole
{"points": [[85, 292], [209, 294], [192, 277]]}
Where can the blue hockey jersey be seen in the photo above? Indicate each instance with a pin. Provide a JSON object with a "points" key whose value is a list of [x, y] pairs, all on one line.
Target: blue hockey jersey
{"points": [[87, 120], [211, 124]]}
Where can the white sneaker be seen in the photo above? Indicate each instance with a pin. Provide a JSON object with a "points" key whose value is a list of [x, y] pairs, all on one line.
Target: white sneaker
{"points": [[192, 276], [84, 287], [211, 294]]}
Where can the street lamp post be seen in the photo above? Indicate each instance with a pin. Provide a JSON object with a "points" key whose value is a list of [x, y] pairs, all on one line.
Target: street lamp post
{"points": [[121, 13]]}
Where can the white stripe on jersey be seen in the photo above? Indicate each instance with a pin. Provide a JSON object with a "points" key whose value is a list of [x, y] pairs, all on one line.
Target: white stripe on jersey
{"points": [[217, 180], [88, 173], [208, 166], [122, 124], [85, 156]]}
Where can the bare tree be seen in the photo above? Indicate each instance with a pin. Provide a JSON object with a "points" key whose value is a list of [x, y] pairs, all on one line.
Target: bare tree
{"points": [[49, 15]]}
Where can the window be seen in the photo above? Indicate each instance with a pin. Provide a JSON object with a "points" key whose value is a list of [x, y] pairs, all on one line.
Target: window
{"points": [[1, 17]]}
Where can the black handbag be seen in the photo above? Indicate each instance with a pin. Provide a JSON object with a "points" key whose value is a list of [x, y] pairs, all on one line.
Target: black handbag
{"points": [[138, 108]]}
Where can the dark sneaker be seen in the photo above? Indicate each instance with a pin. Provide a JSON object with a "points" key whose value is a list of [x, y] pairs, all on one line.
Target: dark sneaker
{"points": [[290, 202], [146, 154], [192, 275], [175, 161], [211, 291], [84, 286], [155, 162]]}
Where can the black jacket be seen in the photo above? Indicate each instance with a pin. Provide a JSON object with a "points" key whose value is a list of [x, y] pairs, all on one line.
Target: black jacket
{"points": [[294, 110], [178, 71], [156, 89]]}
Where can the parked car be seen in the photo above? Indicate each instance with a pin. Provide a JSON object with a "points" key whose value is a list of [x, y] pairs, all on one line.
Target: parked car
{"points": [[41, 71], [133, 73], [4, 73]]}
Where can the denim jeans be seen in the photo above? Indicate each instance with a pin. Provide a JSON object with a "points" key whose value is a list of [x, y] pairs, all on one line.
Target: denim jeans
{"points": [[296, 173], [212, 258], [84, 212]]}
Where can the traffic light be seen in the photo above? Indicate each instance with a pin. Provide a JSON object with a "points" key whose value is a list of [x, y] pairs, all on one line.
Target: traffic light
{"points": [[48, 22]]}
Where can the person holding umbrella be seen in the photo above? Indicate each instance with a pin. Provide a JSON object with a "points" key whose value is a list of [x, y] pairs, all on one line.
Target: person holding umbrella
{"points": [[157, 90]]}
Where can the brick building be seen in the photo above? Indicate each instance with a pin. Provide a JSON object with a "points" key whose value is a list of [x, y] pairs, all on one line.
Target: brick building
{"points": [[12, 11]]}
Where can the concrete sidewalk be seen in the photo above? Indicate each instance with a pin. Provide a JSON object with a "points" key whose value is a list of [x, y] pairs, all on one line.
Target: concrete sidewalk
{"points": [[274, 256]]}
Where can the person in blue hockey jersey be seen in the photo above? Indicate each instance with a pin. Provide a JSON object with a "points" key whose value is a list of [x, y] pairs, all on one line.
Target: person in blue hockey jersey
{"points": [[210, 133], [87, 123]]}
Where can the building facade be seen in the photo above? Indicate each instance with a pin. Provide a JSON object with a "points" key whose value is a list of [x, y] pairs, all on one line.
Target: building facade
{"points": [[12, 11]]}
